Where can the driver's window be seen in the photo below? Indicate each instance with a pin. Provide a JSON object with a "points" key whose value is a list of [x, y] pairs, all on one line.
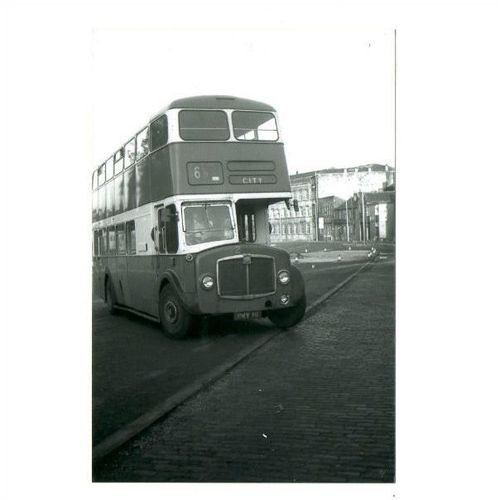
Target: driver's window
{"points": [[168, 238]]}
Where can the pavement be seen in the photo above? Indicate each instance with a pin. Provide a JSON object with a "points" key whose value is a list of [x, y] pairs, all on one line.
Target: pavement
{"points": [[314, 404], [331, 256]]}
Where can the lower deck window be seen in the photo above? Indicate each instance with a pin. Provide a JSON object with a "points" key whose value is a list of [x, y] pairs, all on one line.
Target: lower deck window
{"points": [[131, 237], [120, 238], [111, 240]]}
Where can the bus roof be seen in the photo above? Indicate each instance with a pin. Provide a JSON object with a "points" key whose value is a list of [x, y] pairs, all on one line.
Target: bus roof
{"points": [[216, 102]]}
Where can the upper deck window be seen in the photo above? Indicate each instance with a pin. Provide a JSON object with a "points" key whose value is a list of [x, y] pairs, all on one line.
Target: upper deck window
{"points": [[203, 125], [100, 174], [159, 133], [118, 161], [109, 169], [142, 144], [130, 153], [253, 126]]}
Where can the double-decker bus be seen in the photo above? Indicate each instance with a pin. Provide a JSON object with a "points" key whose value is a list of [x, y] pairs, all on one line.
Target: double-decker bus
{"points": [[180, 219]]}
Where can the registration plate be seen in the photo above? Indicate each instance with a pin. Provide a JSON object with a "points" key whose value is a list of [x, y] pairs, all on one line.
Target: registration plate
{"points": [[248, 315]]}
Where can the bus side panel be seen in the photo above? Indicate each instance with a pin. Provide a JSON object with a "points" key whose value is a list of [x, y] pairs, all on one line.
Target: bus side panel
{"points": [[160, 175], [97, 278], [141, 279], [142, 182], [142, 268], [129, 189], [101, 203], [118, 194], [118, 271], [110, 199]]}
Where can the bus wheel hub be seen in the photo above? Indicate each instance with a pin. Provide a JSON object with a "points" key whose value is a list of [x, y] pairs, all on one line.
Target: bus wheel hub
{"points": [[171, 312]]}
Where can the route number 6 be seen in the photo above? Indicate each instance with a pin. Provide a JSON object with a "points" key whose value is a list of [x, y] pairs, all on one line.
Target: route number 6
{"points": [[197, 173]]}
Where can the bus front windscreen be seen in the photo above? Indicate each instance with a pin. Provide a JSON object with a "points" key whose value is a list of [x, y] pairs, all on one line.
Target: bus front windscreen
{"points": [[206, 222], [254, 126]]}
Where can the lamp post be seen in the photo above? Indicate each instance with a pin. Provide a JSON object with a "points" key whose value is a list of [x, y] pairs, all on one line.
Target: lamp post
{"points": [[363, 215], [347, 218], [316, 222]]}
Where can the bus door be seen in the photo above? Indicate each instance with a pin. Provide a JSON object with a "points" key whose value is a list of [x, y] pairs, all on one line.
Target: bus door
{"points": [[141, 268]]}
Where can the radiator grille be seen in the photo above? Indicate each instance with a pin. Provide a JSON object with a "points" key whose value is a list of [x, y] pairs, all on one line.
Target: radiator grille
{"points": [[246, 276]]}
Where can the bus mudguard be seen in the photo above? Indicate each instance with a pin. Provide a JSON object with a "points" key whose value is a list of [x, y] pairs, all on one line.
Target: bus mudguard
{"points": [[187, 299]]}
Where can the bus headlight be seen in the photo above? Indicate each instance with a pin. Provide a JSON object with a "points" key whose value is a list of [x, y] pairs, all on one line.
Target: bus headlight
{"points": [[284, 277], [207, 282]]}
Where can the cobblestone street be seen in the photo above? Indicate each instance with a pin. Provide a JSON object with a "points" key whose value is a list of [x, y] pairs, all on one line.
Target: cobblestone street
{"points": [[314, 404]]}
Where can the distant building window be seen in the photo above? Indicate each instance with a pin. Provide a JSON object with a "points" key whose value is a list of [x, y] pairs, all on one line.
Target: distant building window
{"points": [[254, 126], [159, 132], [94, 179], [203, 125], [142, 144], [130, 153]]}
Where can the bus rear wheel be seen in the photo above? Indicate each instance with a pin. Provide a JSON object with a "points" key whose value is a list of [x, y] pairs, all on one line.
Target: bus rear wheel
{"points": [[176, 322], [110, 297], [286, 318]]}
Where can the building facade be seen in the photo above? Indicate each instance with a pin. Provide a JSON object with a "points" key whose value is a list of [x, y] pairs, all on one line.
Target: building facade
{"points": [[332, 205]]}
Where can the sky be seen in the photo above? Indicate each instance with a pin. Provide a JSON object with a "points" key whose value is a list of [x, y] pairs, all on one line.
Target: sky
{"points": [[333, 90]]}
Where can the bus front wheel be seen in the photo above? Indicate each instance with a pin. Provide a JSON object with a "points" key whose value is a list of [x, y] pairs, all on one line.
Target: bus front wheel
{"points": [[286, 318], [176, 322]]}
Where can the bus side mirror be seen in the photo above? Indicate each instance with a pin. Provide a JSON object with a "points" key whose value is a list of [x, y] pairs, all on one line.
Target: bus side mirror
{"points": [[287, 203], [153, 231]]}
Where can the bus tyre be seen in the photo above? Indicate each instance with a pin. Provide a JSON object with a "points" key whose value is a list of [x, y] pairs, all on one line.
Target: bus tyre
{"points": [[110, 297], [175, 321], [286, 318]]}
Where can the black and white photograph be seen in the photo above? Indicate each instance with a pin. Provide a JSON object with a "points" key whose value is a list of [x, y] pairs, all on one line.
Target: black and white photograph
{"points": [[248, 250], [244, 258]]}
